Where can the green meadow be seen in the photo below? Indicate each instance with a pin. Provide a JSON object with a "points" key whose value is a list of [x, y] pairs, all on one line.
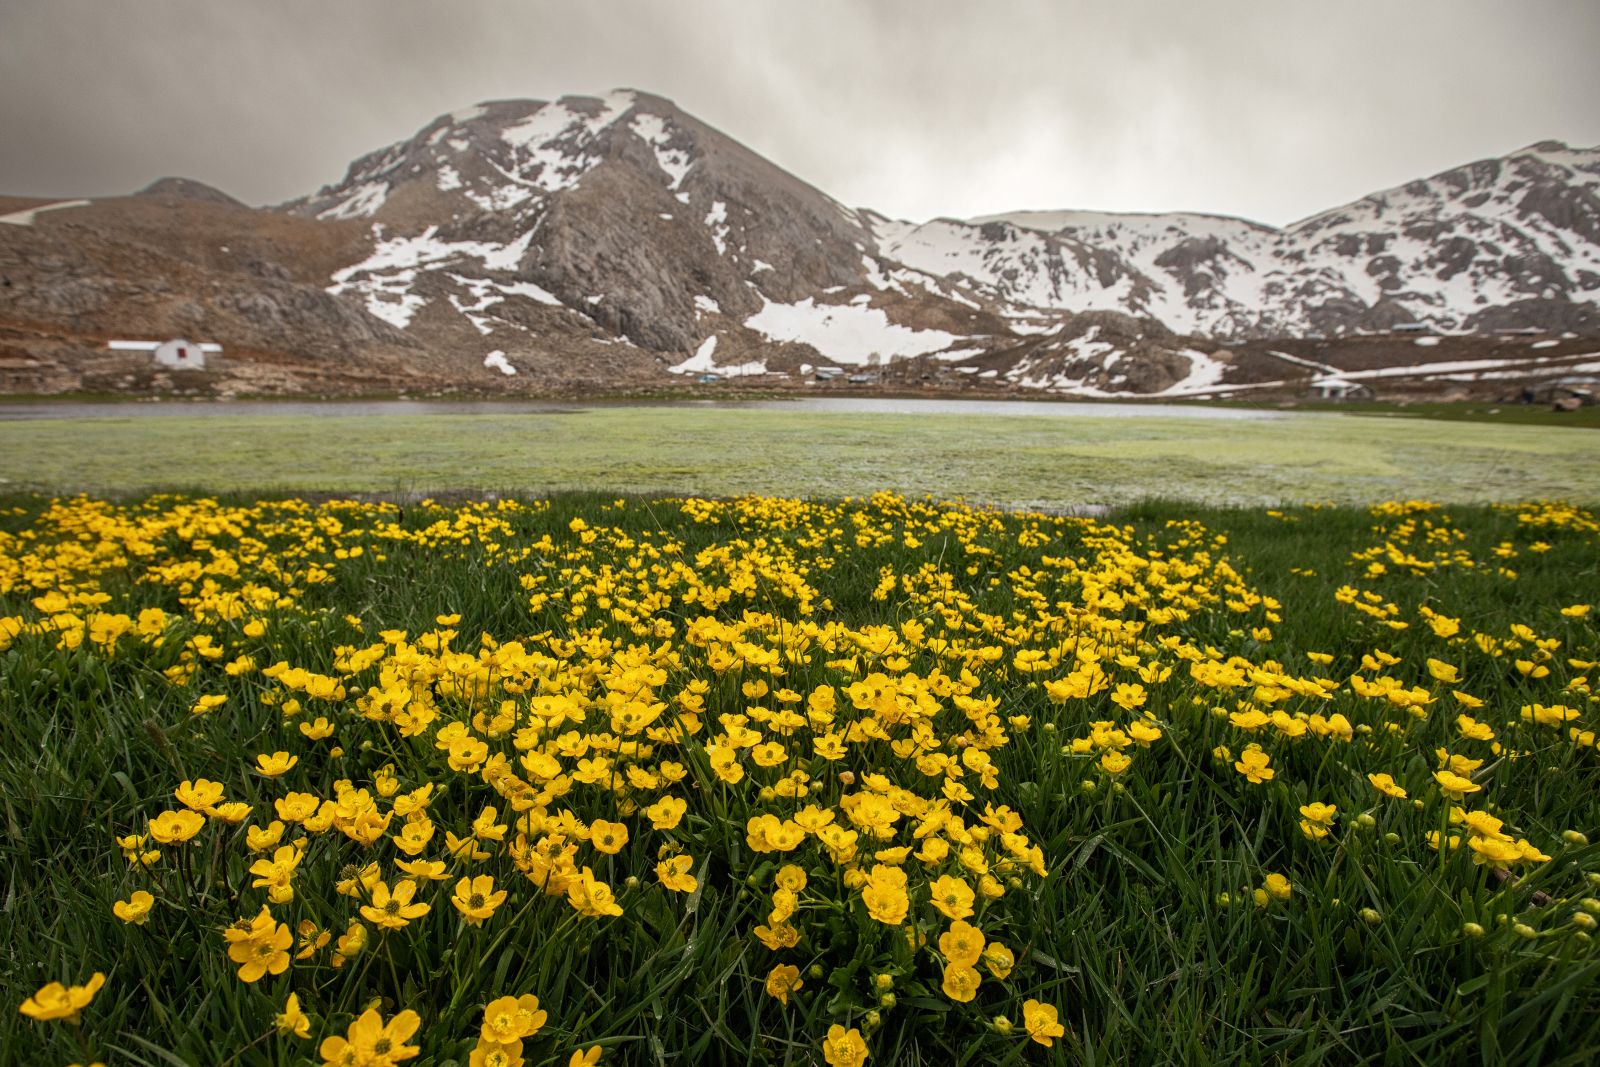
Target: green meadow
{"points": [[650, 780], [1053, 462]]}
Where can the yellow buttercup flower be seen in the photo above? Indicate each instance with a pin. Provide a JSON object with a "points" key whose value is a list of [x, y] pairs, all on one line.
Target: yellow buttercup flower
{"points": [[476, 898], [1040, 1019], [292, 1022], [844, 1048], [136, 909], [57, 1001], [783, 980]]}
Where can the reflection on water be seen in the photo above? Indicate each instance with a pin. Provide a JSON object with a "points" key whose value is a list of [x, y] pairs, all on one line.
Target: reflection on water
{"points": [[70, 409]]}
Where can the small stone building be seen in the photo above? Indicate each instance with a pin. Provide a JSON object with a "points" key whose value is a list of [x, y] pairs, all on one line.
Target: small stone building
{"points": [[176, 354]]}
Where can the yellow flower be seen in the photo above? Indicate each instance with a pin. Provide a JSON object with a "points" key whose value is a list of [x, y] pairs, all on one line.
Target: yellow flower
{"points": [[1385, 784], [844, 1048], [666, 813], [1253, 765], [509, 1019], [393, 910], [961, 982], [276, 764], [791, 877], [953, 897], [1454, 785], [493, 1054], [608, 837], [1318, 819], [208, 703], [56, 1001], [592, 897], [674, 874], [176, 827], [292, 1021], [1277, 887], [962, 943], [1115, 763], [259, 946], [885, 895], [1040, 1019], [783, 980], [370, 1041], [998, 959], [136, 909], [585, 1057], [476, 898], [1443, 672], [199, 795]]}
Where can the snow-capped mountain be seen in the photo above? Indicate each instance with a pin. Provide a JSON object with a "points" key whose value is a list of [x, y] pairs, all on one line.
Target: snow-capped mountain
{"points": [[1498, 243], [630, 214], [617, 240], [623, 210]]}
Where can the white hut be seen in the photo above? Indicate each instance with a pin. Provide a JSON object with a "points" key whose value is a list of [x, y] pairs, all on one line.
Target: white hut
{"points": [[1334, 388], [176, 354]]}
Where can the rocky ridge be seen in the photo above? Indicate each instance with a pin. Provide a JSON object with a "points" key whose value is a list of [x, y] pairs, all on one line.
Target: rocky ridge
{"points": [[616, 242]]}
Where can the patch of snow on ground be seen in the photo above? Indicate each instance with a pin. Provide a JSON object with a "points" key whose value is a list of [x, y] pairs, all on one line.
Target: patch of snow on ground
{"points": [[674, 162], [760, 265], [1430, 369], [448, 178], [1204, 372], [1544, 344], [554, 139], [363, 203], [501, 199], [531, 291], [703, 363], [1426, 342], [25, 218], [385, 276], [1300, 361], [496, 360], [845, 333], [404, 303], [717, 221], [708, 305], [467, 114]]}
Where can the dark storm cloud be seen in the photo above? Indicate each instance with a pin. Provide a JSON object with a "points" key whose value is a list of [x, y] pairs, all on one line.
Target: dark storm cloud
{"points": [[1269, 110]]}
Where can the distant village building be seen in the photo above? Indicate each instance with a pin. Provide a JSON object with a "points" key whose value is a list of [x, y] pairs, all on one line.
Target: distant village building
{"points": [[176, 354], [1334, 388]]}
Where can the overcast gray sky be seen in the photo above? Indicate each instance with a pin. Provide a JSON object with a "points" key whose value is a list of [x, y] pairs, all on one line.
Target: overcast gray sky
{"points": [[1272, 110]]}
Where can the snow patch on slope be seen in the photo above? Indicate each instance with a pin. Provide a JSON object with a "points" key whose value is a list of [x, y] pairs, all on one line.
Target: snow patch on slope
{"points": [[703, 362], [363, 203], [674, 162], [845, 333], [385, 277]]}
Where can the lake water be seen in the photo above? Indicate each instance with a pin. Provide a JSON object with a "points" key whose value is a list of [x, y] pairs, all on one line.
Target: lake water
{"points": [[69, 409]]}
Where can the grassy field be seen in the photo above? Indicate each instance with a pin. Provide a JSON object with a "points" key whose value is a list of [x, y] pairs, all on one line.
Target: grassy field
{"points": [[765, 781], [1043, 462]]}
